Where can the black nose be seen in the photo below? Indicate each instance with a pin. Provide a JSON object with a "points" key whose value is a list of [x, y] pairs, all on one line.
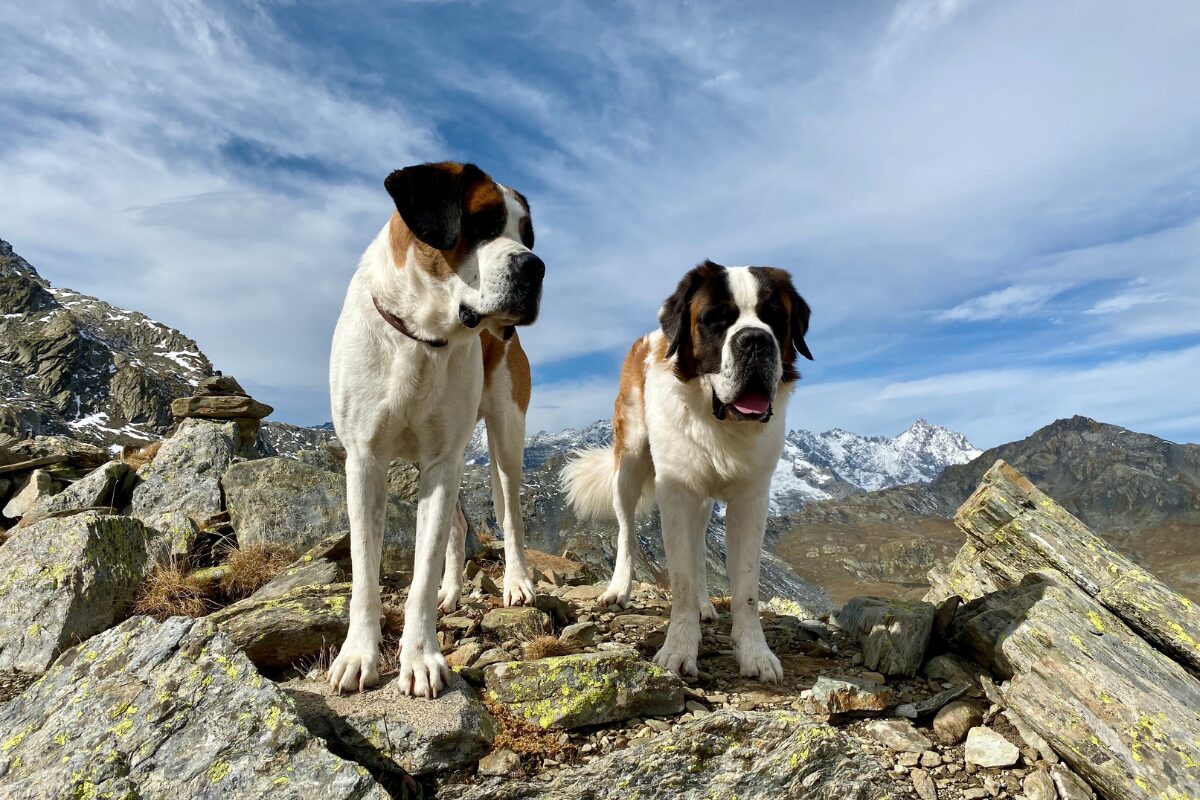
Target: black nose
{"points": [[754, 343], [530, 268]]}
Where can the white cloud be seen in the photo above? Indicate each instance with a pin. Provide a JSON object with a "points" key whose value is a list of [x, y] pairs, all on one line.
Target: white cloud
{"points": [[1008, 303], [1125, 301]]}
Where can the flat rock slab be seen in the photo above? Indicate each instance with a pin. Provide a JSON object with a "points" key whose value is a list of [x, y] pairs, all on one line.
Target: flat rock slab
{"points": [[278, 631], [327, 562], [283, 501], [219, 407], [389, 731], [185, 475], [843, 696], [163, 712], [893, 633], [899, 735], [98, 488], [63, 580], [724, 754], [586, 689]]}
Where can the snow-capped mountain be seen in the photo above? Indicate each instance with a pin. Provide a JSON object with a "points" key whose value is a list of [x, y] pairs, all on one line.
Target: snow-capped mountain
{"points": [[813, 466]]}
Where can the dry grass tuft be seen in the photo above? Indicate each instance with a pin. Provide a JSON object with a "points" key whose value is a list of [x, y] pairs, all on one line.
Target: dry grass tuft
{"points": [[135, 457], [722, 603], [252, 566], [169, 592], [392, 622], [526, 739], [548, 647]]}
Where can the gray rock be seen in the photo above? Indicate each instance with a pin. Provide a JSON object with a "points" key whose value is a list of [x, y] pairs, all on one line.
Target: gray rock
{"points": [[1031, 737], [587, 689], [501, 762], [953, 722], [986, 748], [63, 580], [327, 562], [219, 407], [161, 712], [280, 500], [898, 735], [893, 633], [923, 784], [186, 474], [843, 696], [1039, 785], [949, 668], [1069, 785], [494, 655], [517, 622], [38, 486], [930, 705], [281, 630], [582, 633], [724, 754], [392, 732], [101, 487]]}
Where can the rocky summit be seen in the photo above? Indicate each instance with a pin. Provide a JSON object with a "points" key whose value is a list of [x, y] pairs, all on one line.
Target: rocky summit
{"points": [[72, 364]]}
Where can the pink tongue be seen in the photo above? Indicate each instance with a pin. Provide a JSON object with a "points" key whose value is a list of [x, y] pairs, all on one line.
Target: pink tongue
{"points": [[752, 403]]}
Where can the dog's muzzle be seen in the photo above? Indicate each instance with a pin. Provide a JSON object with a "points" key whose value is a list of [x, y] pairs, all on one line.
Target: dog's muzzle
{"points": [[756, 353], [525, 292]]}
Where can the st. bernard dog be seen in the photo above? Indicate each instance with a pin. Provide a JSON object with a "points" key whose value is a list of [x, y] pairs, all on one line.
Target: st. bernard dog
{"points": [[699, 417], [424, 347]]}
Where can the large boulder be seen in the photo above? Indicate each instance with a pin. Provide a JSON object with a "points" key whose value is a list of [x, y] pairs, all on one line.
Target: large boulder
{"points": [[164, 711], [37, 487], [893, 633], [724, 754], [586, 689], [100, 488], [277, 631], [64, 580], [185, 475], [281, 500], [393, 732]]}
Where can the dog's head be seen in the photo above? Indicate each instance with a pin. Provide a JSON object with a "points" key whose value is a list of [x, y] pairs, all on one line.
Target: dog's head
{"points": [[740, 328], [477, 235]]}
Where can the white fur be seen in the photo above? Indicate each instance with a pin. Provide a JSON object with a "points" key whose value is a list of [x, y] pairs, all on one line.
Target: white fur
{"points": [[692, 458], [397, 398]]}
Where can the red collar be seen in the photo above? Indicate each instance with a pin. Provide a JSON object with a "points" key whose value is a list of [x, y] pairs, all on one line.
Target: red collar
{"points": [[398, 324]]}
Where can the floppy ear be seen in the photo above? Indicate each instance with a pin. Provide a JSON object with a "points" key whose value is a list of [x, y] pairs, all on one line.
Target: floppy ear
{"points": [[799, 321], [429, 198], [674, 315]]}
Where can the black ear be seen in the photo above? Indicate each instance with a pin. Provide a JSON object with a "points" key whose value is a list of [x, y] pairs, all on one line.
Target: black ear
{"points": [[429, 198], [800, 314], [675, 315]]}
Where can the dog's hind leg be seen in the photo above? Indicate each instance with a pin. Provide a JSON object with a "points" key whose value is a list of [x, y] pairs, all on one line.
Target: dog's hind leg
{"points": [[456, 556], [423, 670], [357, 664], [633, 471]]}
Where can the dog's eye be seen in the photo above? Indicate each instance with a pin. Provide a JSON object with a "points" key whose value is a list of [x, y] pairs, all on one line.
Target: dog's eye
{"points": [[718, 317]]}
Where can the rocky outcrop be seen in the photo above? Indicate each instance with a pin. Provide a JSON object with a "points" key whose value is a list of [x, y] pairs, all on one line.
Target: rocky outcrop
{"points": [[392, 732], [101, 488], [72, 364], [160, 712], [725, 754], [587, 689], [280, 500], [185, 476], [64, 580], [280, 630], [893, 633]]}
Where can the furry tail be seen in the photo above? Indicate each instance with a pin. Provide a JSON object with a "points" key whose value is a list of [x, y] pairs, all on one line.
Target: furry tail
{"points": [[589, 479]]}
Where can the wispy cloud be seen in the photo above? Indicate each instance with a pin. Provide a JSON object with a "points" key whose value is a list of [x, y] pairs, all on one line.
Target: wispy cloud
{"points": [[1011, 302]]}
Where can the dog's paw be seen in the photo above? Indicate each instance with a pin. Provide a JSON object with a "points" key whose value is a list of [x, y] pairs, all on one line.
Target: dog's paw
{"points": [[423, 671], [518, 589], [708, 612], [757, 661], [448, 598], [617, 593], [681, 661], [356, 667]]}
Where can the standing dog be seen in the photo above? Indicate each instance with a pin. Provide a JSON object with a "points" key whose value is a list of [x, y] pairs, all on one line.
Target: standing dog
{"points": [[696, 419], [410, 374]]}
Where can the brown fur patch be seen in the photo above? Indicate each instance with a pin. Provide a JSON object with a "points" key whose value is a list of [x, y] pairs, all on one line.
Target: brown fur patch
{"points": [[518, 370], [630, 403], [430, 259], [482, 196]]}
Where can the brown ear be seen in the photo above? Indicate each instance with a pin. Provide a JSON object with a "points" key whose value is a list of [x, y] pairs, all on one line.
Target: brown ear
{"points": [[429, 198], [675, 316]]}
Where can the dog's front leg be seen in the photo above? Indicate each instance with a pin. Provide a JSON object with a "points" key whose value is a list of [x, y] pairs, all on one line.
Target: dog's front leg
{"points": [[683, 523], [423, 670], [746, 521], [357, 664]]}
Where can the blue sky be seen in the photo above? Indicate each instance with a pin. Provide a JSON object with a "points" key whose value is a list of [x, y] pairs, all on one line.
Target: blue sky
{"points": [[992, 208]]}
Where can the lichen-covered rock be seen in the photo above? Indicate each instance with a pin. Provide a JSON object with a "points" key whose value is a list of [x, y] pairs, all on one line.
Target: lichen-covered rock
{"points": [[893, 633], [725, 754], [101, 487], [219, 407], [186, 474], [586, 689], [391, 732], [844, 696], [280, 500], [327, 562], [63, 580], [517, 622], [280, 630], [162, 712]]}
